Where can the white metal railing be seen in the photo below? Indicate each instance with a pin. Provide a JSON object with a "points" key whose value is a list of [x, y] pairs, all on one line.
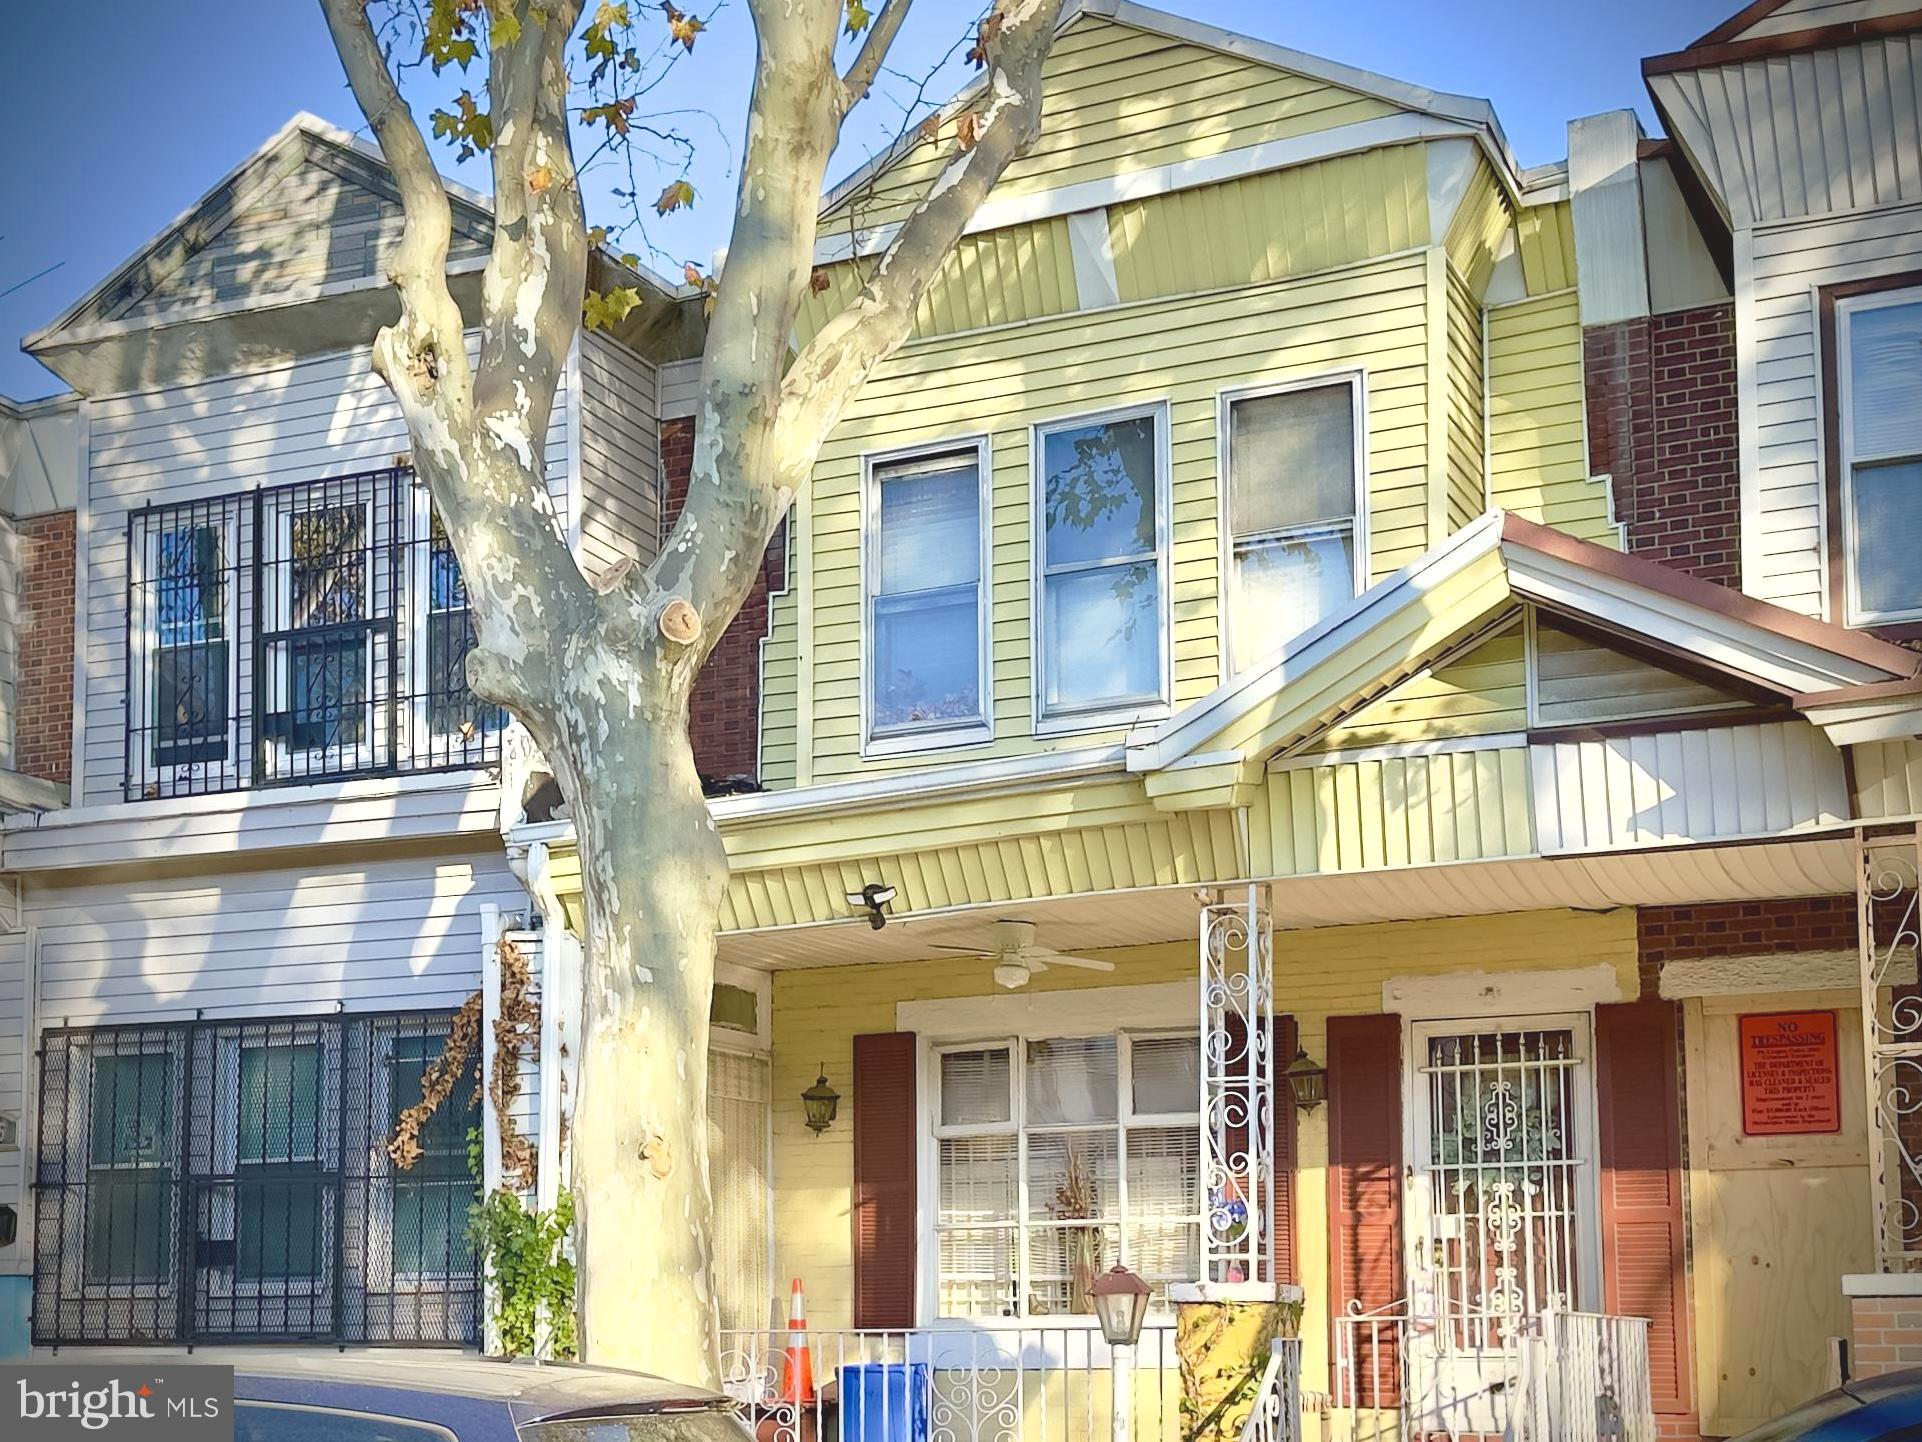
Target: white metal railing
{"points": [[986, 1384], [1276, 1415], [1546, 1377], [1238, 1073]]}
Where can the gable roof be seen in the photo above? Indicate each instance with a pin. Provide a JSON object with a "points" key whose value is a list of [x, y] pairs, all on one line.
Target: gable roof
{"points": [[1779, 27], [1476, 578], [1444, 113]]}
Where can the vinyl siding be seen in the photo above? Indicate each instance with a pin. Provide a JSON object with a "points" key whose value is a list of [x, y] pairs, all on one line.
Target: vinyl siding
{"points": [[1813, 14], [1110, 108], [1819, 132], [1372, 316], [1271, 226], [1537, 423], [1367, 815], [1714, 784], [1545, 239], [620, 502], [1779, 371], [1016, 273], [1480, 223], [1480, 692], [386, 932], [327, 416], [1888, 778], [1467, 406], [311, 215], [1320, 972], [1579, 680]]}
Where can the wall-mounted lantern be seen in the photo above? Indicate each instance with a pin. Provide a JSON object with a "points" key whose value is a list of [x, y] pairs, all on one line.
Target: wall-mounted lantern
{"points": [[820, 1102], [1307, 1081]]}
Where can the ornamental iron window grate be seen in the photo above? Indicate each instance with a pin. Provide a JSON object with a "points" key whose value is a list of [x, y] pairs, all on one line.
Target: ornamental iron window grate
{"points": [[298, 633], [230, 1181]]}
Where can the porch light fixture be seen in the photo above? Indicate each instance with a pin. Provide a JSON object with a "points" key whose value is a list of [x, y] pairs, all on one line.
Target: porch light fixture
{"points": [[820, 1102], [1307, 1081], [872, 898], [1120, 1304]]}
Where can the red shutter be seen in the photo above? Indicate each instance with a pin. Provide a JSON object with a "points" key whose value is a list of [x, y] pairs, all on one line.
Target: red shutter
{"points": [[1282, 1213], [1364, 1189], [884, 1179], [1637, 1074]]}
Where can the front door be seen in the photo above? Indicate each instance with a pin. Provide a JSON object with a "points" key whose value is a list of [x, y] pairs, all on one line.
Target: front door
{"points": [[1502, 1207]]}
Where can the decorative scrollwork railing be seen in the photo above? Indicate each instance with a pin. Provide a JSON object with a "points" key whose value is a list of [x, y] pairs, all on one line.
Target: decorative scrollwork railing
{"points": [[1237, 1085]]}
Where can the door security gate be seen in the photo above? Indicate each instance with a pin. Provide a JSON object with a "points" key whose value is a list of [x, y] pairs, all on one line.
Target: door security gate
{"points": [[231, 1181]]}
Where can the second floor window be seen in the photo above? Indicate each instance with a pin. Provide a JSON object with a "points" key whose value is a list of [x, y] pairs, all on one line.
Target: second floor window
{"points": [[298, 633], [1879, 368], [1293, 463], [1102, 534], [926, 581]]}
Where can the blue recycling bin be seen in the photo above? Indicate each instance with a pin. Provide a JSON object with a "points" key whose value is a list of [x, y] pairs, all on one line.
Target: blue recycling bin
{"points": [[885, 1401]]}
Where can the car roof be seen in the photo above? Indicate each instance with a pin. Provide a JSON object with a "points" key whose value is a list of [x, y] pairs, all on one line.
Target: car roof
{"points": [[540, 1388]]}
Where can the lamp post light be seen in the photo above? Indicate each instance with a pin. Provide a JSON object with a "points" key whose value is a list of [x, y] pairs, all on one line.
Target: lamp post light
{"points": [[1120, 1305]]}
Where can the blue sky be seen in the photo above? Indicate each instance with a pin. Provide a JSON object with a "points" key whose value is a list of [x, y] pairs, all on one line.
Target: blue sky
{"points": [[138, 108]]}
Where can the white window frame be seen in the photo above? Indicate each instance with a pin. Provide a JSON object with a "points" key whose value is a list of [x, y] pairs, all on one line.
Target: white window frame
{"points": [[1846, 308], [279, 679], [1063, 721], [1225, 400], [1100, 1025], [146, 565], [942, 735]]}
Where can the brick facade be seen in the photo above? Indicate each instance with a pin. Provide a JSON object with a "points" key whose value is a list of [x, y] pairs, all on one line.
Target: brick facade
{"points": [[724, 716], [43, 721], [1662, 422], [1886, 1335]]}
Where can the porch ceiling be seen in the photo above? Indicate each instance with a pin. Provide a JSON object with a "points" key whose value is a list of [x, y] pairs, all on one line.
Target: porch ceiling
{"points": [[1810, 866]]}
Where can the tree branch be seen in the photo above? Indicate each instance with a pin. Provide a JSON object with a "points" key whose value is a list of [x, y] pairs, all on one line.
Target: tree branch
{"points": [[847, 349], [873, 54]]}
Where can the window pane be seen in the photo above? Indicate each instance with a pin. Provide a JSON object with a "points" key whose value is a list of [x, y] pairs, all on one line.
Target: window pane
{"points": [[977, 1180], [930, 530], [977, 1272], [190, 703], [279, 1103], [1291, 458], [132, 1111], [1164, 1186], [1063, 1263], [1167, 1075], [443, 1140], [974, 1087], [129, 1225], [1071, 1079], [281, 1228], [1100, 490], [190, 583], [328, 571], [431, 1227], [268, 1422], [1885, 380], [328, 678], [1073, 1175], [1888, 536], [1103, 636], [927, 657], [1284, 587]]}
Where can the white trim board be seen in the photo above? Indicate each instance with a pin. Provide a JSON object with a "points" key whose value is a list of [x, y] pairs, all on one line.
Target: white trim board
{"points": [[1082, 1011], [1510, 993]]}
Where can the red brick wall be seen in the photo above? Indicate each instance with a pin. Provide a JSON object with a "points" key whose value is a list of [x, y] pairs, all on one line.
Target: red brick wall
{"points": [[724, 716], [1662, 422], [1887, 1335], [1740, 928], [43, 720]]}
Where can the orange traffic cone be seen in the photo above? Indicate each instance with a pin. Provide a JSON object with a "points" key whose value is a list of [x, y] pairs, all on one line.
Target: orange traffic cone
{"points": [[798, 1385]]}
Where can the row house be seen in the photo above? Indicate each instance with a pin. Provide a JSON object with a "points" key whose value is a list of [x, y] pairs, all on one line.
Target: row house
{"points": [[1338, 726]]}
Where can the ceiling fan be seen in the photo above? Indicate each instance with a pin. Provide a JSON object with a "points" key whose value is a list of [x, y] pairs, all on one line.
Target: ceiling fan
{"points": [[1017, 957]]}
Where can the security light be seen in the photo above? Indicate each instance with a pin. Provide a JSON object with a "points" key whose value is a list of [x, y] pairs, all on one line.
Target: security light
{"points": [[872, 898]]}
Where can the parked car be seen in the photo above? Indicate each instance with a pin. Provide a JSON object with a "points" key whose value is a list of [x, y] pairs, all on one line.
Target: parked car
{"points": [[316, 1395], [1871, 1408]]}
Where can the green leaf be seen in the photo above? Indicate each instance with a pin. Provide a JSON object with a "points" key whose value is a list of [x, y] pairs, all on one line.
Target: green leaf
{"points": [[858, 17], [677, 195]]}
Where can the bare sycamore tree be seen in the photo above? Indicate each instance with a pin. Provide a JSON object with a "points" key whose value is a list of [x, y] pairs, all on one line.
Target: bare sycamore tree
{"points": [[600, 672]]}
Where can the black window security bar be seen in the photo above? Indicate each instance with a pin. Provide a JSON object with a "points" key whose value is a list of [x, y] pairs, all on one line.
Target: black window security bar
{"points": [[298, 633], [227, 1182]]}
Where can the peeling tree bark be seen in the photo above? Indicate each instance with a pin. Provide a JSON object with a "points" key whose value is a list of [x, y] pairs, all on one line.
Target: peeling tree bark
{"points": [[601, 676]]}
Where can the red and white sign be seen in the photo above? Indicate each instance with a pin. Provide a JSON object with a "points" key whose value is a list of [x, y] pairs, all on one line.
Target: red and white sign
{"points": [[1791, 1074]]}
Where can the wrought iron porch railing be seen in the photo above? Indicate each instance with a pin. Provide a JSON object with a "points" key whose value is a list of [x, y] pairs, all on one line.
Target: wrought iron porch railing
{"points": [[297, 633], [231, 1182], [966, 1384], [1276, 1414]]}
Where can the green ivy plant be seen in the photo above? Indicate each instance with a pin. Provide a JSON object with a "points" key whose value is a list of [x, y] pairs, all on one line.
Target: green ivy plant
{"points": [[533, 1276]]}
